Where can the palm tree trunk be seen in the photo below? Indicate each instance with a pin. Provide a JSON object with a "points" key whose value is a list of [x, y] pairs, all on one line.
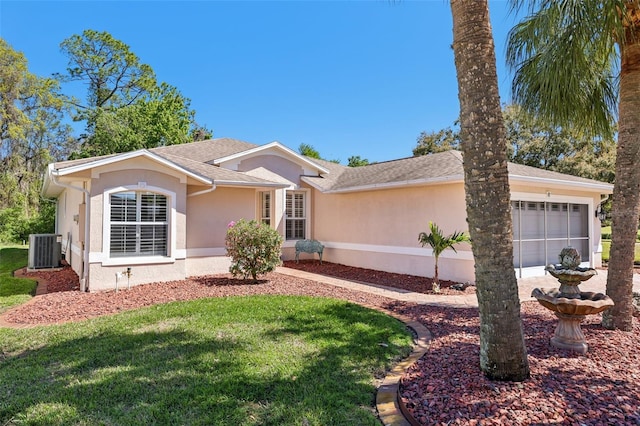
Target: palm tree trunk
{"points": [[626, 192], [503, 354]]}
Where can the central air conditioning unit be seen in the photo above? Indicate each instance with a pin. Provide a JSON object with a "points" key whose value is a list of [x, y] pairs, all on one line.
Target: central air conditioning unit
{"points": [[45, 251]]}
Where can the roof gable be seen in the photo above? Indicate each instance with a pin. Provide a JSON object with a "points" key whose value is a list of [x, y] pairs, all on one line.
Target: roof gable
{"points": [[274, 148]]}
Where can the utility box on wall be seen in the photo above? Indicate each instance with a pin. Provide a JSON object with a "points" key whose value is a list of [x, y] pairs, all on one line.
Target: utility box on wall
{"points": [[45, 251]]}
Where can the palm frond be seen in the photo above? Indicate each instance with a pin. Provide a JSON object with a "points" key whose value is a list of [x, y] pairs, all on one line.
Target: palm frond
{"points": [[566, 62]]}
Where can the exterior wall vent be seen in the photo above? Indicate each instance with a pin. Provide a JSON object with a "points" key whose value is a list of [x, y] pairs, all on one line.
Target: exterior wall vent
{"points": [[45, 251]]}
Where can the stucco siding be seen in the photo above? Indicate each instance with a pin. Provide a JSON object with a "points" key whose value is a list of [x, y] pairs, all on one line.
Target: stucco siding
{"points": [[69, 204], [379, 229], [198, 266], [104, 277], [275, 164], [389, 217], [211, 213], [130, 178]]}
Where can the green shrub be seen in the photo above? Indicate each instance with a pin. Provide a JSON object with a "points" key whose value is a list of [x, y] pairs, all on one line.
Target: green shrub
{"points": [[15, 227], [605, 232], [255, 248]]}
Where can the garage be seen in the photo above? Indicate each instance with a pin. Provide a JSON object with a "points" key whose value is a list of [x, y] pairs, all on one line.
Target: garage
{"points": [[541, 229]]}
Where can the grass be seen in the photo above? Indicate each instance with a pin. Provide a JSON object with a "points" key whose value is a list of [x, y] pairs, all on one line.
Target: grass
{"points": [[259, 360], [606, 245], [14, 291], [606, 248]]}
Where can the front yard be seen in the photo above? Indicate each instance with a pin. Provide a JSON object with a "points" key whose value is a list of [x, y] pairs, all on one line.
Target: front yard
{"points": [[225, 361], [267, 359]]}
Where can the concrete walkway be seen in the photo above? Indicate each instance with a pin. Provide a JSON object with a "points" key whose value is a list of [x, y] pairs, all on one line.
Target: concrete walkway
{"points": [[525, 286]]}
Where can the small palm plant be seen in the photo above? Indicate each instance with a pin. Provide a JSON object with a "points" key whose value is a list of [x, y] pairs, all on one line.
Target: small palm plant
{"points": [[440, 243]]}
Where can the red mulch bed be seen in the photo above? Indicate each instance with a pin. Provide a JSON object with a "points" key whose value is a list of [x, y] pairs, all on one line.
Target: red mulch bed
{"points": [[406, 282], [445, 387]]}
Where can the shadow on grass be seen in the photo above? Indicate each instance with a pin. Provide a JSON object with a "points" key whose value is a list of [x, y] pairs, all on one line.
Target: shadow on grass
{"points": [[267, 360]]}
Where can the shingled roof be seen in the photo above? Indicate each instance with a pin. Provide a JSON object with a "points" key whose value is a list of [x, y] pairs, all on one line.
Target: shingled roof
{"points": [[428, 169], [206, 151], [199, 157]]}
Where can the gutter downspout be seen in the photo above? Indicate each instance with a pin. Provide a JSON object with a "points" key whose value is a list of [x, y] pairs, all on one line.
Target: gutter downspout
{"points": [[204, 191], [87, 210]]}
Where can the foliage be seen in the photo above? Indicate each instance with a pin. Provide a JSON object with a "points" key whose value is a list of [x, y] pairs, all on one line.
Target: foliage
{"points": [[31, 132], [534, 142], [605, 233], [258, 360], [564, 58], [577, 66], [159, 118], [309, 151], [439, 243], [125, 109], [606, 252], [440, 141], [14, 291], [199, 133], [15, 227], [114, 75], [356, 161], [255, 248]]}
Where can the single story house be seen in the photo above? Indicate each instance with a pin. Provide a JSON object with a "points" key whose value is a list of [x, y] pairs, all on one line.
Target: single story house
{"points": [[164, 212]]}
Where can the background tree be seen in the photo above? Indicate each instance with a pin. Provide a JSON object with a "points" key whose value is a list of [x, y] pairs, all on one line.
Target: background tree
{"points": [[575, 62], [125, 108], [442, 140], [159, 118], [533, 142], [503, 354], [357, 161], [439, 243], [538, 143], [309, 151], [31, 135]]}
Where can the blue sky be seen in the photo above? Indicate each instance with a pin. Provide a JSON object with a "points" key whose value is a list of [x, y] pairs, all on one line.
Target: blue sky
{"points": [[347, 77]]}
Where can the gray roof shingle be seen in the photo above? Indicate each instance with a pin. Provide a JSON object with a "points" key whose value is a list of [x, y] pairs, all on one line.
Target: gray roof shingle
{"points": [[198, 157], [433, 168]]}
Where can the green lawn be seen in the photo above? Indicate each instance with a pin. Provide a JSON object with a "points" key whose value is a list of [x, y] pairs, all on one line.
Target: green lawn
{"points": [[606, 244], [606, 247], [14, 291], [260, 360]]}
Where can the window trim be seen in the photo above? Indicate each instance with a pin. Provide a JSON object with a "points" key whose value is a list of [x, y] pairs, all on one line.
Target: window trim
{"points": [[307, 209], [261, 207], [107, 259]]}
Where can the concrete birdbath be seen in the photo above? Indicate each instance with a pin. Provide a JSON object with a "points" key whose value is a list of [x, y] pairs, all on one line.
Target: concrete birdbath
{"points": [[568, 303]]}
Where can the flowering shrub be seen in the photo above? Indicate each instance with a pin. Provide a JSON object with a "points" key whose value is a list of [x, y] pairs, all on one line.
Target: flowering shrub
{"points": [[254, 248]]}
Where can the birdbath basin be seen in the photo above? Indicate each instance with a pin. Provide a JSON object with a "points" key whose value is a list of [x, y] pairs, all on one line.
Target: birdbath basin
{"points": [[570, 304]]}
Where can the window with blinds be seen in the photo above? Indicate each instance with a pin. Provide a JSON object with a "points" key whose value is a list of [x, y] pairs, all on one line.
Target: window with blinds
{"points": [[295, 212], [139, 224], [265, 208]]}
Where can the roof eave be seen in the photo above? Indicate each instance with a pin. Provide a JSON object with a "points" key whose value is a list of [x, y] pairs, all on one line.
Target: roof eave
{"points": [[389, 185], [232, 183], [593, 186], [128, 156]]}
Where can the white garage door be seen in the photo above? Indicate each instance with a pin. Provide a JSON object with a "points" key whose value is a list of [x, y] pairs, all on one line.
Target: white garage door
{"points": [[542, 229]]}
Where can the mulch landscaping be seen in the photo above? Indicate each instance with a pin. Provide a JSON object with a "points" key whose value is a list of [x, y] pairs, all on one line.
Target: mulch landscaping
{"points": [[446, 386]]}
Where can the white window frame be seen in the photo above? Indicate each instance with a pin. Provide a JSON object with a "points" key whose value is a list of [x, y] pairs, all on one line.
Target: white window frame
{"points": [[305, 214], [266, 207], [106, 257]]}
